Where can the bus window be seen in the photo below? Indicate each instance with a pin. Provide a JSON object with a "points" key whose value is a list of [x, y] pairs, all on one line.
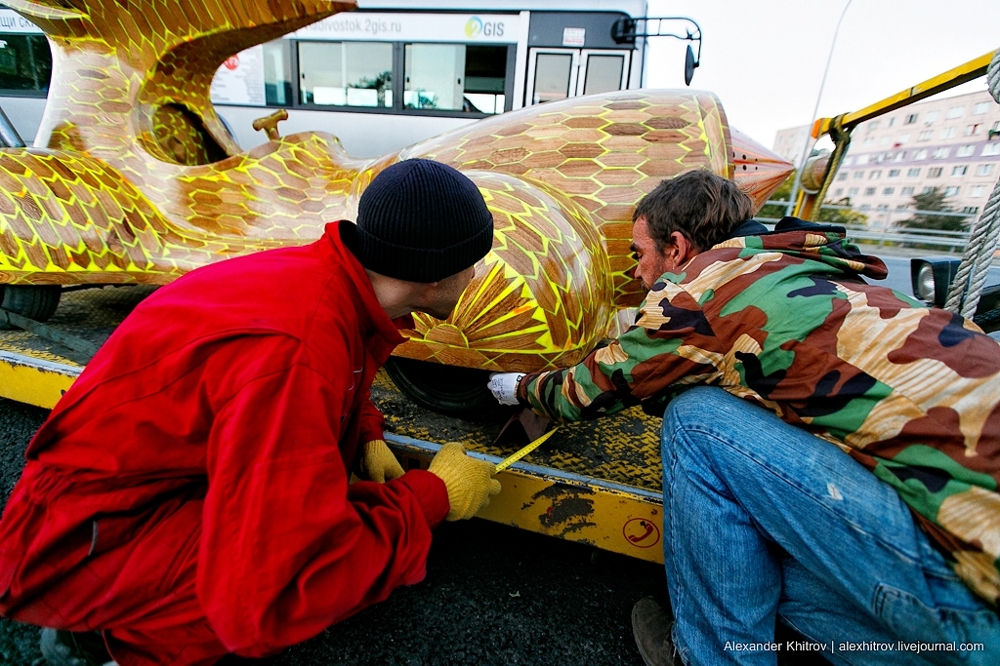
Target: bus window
{"points": [[486, 78], [434, 76], [455, 77], [604, 73], [345, 73], [25, 63], [553, 76], [277, 73]]}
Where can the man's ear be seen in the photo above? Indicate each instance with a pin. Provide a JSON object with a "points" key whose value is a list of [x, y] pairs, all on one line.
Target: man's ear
{"points": [[680, 249]]}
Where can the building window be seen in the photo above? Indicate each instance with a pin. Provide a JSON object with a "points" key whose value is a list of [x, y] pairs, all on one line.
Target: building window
{"points": [[984, 169], [931, 117], [978, 191], [972, 130], [991, 149], [980, 108], [925, 135], [863, 159], [920, 154], [971, 210], [899, 157], [837, 192], [903, 139], [951, 191], [955, 112], [865, 207], [900, 206], [906, 191], [842, 175], [940, 153], [892, 122], [874, 175], [882, 207], [965, 151], [959, 170], [927, 190], [910, 119], [873, 125], [884, 141], [934, 172], [858, 175], [847, 161], [870, 141], [948, 132], [913, 173], [869, 191], [888, 191], [893, 173], [852, 192]]}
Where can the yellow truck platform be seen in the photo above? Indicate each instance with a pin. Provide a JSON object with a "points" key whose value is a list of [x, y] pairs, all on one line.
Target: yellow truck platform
{"points": [[596, 482]]}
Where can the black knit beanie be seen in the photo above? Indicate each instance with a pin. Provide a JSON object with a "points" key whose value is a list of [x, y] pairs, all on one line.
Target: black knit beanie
{"points": [[420, 221]]}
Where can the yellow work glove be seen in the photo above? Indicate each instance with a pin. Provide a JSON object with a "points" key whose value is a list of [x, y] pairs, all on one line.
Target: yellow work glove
{"points": [[378, 463], [469, 481]]}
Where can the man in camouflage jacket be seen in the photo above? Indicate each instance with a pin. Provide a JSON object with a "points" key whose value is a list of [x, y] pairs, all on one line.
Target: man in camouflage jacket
{"points": [[764, 515]]}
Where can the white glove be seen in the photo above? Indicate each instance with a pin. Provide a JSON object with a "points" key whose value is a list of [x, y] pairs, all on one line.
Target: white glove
{"points": [[503, 386]]}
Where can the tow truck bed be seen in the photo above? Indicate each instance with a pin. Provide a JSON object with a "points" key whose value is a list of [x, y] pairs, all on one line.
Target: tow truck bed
{"points": [[596, 482]]}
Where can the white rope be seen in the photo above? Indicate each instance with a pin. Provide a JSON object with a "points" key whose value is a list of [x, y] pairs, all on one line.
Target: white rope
{"points": [[963, 297]]}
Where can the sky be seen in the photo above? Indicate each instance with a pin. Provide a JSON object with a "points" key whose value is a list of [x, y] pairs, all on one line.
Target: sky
{"points": [[765, 58]]}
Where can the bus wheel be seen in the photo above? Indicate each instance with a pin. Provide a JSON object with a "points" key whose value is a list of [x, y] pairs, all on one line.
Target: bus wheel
{"points": [[443, 388], [34, 301]]}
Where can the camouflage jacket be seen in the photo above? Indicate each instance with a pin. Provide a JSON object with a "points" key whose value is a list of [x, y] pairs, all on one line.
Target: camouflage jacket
{"points": [[784, 319]]}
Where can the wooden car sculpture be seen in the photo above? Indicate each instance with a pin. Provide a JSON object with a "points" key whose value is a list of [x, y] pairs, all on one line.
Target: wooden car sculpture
{"points": [[133, 178]]}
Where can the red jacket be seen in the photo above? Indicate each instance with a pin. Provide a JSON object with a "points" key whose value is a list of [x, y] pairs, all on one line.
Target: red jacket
{"points": [[219, 425]]}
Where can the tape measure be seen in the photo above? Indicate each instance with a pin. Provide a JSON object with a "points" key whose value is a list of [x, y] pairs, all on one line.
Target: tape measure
{"points": [[507, 462]]}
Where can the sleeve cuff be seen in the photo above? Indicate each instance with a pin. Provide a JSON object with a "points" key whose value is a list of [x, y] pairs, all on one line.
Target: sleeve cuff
{"points": [[431, 494], [521, 392]]}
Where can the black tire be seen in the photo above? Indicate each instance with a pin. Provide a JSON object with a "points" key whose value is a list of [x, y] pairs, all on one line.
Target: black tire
{"points": [[446, 389], [33, 301]]}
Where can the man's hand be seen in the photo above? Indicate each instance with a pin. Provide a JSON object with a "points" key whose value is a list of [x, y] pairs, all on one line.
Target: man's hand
{"points": [[378, 463], [503, 386], [469, 481]]}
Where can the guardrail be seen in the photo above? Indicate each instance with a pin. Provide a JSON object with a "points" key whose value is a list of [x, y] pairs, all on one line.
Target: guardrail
{"points": [[883, 233]]}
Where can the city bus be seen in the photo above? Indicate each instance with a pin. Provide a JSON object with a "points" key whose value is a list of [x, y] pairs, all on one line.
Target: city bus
{"points": [[391, 73]]}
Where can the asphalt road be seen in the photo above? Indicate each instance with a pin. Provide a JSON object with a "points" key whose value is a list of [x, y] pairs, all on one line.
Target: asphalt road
{"points": [[493, 595]]}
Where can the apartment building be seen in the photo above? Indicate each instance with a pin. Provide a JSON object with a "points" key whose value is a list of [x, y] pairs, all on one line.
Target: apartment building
{"points": [[951, 142]]}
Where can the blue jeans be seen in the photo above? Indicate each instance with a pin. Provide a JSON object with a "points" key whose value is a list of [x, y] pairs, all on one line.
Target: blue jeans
{"points": [[764, 521]]}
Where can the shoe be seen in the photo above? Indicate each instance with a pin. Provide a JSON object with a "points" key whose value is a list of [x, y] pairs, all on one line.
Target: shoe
{"points": [[651, 625], [66, 648]]}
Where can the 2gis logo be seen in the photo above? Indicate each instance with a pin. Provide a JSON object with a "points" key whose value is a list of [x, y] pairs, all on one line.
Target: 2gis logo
{"points": [[476, 27]]}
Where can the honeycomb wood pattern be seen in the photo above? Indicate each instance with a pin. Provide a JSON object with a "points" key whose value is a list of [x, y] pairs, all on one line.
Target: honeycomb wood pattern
{"points": [[133, 178]]}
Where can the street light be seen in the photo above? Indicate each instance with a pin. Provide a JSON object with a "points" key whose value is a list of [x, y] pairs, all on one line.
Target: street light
{"points": [[806, 149]]}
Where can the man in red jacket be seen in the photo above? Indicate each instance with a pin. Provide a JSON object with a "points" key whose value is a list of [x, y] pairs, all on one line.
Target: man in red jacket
{"points": [[188, 496]]}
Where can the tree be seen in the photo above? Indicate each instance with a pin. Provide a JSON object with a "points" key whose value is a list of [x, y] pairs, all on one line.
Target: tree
{"points": [[774, 211], [841, 216], [931, 201]]}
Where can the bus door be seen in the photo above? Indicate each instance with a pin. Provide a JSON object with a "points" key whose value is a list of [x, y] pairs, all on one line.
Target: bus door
{"points": [[555, 73]]}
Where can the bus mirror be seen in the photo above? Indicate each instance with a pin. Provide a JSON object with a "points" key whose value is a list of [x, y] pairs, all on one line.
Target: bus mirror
{"points": [[689, 65]]}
